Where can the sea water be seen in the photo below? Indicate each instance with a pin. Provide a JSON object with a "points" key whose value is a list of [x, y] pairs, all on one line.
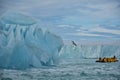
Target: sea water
{"points": [[68, 69]]}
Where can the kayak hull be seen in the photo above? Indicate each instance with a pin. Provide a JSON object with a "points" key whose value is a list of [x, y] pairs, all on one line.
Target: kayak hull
{"points": [[107, 61]]}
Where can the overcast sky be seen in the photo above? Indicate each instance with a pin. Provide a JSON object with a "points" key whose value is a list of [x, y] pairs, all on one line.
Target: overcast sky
{"points": [[72, 19]]}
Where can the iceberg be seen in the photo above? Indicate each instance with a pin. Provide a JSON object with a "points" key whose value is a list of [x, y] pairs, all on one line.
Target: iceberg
{"points": [[23, 44], [89, 51]]}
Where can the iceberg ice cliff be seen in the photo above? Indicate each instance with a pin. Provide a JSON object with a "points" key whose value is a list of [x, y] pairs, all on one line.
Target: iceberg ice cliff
{"points": [[23, 44], [90, 51]]}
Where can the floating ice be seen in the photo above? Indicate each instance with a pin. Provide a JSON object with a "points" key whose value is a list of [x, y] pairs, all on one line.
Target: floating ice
{"points": [[24, 45]]}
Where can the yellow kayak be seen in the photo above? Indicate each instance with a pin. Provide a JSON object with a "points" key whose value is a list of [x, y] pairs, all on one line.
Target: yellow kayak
{"points": [[114, 59]]}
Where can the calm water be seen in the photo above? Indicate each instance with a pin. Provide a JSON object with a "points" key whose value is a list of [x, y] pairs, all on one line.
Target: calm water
{"points": [[69, 69]]}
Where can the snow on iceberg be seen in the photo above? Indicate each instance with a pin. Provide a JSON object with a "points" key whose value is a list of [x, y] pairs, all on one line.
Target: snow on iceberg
{"points": [[23, 44], [17, 18]]}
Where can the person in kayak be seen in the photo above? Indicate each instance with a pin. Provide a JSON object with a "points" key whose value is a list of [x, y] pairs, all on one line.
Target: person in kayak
{"points": [[113, 59]]}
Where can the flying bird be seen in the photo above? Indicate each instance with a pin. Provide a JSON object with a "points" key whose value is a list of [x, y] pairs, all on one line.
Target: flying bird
{"points": [[74, 43]]}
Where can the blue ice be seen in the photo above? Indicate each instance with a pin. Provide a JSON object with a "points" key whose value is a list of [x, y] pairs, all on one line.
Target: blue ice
{"points": [[23, 44]]}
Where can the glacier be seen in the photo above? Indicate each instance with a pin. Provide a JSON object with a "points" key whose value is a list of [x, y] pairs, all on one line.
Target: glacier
{"points": [[24, 45], [89, 51]]}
